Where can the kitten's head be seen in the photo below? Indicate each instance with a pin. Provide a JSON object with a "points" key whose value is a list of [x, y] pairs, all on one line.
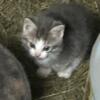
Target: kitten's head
{"points": [[42, 40]]}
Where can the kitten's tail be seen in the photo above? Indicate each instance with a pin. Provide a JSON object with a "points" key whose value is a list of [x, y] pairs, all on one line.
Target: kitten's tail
{"points": [[95, 30]]}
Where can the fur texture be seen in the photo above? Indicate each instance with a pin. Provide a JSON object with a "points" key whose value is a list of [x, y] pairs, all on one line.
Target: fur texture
{"points": [[59, 38], [13, 81]]}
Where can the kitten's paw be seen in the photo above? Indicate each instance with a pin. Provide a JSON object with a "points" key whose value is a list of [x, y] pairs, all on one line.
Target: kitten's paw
{"points": [[44, 72], [65, 74]]}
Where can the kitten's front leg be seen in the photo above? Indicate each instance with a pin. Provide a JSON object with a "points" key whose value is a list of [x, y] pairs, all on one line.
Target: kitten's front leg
{"points": [[44, 72], [68, 71]]}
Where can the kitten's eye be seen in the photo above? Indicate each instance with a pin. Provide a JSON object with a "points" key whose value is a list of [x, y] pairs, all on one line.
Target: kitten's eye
{"points": [[47, 48], [32, 45]]}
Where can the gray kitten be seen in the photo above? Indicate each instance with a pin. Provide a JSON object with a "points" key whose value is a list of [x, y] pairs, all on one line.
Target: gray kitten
{"points": [[59, 38]]}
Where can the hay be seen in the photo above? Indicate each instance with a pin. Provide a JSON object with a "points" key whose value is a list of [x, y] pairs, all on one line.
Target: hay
{"points": [[12, 13], [55, 88]]}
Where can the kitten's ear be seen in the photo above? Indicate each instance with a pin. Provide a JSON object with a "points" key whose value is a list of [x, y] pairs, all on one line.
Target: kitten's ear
{"points": [[29, 26], [57, 31]]}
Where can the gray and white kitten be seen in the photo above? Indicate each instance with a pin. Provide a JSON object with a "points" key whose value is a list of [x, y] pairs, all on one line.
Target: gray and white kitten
{"points": [[59, 38]]}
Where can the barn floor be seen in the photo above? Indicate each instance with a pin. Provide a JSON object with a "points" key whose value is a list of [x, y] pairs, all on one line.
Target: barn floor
{"points": [[54, 88]]}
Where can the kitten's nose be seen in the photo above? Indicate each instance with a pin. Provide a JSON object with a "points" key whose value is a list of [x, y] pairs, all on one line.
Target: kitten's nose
{"points": [[37, 54]]}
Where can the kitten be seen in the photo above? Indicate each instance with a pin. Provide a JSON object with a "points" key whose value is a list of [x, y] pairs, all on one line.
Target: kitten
{"points": [[59, 38]]}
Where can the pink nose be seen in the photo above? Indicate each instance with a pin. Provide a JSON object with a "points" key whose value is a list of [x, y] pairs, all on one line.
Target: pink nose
{"points": [[37, 54]]}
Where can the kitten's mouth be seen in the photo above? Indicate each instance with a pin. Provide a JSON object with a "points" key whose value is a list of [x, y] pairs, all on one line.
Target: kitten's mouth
{"points": [[40, 58]]}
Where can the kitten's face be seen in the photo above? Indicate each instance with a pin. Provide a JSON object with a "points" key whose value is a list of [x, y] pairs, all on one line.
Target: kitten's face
{"points": [[43, 46], [39, 49]]}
